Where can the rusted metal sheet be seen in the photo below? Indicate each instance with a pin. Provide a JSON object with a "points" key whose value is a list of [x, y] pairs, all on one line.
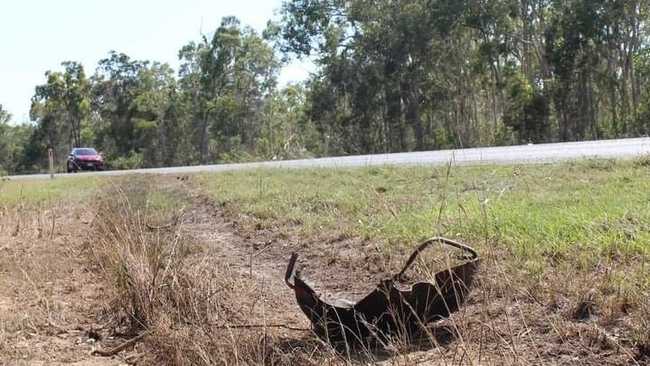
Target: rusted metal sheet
{"points": [[388, 311]]}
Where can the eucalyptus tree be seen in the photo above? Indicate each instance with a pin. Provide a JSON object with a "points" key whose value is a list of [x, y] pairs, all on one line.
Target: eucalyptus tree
{"points": [[5, 117], [413, 74], [159, 127], [285, 131], [226, 78], [379, 83], [60, 108], [135, 117], [13, 140], [116, 85]]}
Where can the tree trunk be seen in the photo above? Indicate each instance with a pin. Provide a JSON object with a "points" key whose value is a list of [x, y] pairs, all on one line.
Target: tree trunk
{"points": [[393, 107]]}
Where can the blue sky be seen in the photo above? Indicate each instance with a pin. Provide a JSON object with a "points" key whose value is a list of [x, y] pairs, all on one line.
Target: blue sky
{"points": [[37, 35]]}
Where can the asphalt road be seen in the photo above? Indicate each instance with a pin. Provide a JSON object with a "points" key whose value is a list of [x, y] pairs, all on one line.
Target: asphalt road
{"points": [[524, 154]]}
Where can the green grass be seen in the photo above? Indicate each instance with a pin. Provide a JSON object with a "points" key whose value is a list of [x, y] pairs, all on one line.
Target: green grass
{"points": [[540, 209], [164, 201], [550, 231], [32, 192]]}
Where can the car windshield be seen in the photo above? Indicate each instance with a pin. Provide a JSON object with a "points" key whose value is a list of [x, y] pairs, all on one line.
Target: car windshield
{"points": [[85, 152]]}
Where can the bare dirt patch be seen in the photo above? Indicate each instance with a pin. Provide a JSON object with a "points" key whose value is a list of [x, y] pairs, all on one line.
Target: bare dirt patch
{"points": [[48, 297]]}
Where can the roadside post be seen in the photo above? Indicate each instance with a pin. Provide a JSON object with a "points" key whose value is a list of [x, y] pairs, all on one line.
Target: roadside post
{"points": [[50, 156]]}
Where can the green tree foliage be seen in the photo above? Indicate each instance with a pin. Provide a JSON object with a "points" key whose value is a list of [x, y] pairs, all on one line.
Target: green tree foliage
{"points": [[121, 125], [425, 74], [13, 139], [285, 131], [5, 117], [526, 111], [391, 76], [137, 122], [226, 79], [60, 108]]}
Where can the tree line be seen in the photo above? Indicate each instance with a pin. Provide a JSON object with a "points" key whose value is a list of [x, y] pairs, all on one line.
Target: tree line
{"points": [[391, 76]]}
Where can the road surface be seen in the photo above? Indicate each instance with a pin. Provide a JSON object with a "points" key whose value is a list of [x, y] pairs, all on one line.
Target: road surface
{"points": [[523, 154]]}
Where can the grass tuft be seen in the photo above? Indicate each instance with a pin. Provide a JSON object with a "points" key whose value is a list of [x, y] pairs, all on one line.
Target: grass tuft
{"points": [[186, 300]]}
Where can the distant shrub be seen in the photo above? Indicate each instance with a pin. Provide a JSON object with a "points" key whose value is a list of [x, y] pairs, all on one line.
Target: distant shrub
{"points": [[133, 161]]}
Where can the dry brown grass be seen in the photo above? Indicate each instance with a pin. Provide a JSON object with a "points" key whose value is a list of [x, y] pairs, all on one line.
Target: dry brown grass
{"points": [[188, 302], [45, 294]]}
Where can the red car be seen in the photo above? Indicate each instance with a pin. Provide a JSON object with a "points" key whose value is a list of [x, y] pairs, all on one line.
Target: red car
{"points": [[84, 158]]}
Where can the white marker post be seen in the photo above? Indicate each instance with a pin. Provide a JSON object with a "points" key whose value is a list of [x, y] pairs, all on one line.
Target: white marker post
{"points": [[50, 155]]}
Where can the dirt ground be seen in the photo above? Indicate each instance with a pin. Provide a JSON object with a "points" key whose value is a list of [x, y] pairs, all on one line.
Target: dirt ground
{"points": [[497, 325], [52, 302], [49, 299]]}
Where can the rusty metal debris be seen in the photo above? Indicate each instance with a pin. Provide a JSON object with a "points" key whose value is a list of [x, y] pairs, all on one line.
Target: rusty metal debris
{"points": [[388, 311]]}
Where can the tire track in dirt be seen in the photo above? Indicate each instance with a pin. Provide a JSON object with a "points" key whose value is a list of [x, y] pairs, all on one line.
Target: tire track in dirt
{"points": [[337, 266], [206, 225]]}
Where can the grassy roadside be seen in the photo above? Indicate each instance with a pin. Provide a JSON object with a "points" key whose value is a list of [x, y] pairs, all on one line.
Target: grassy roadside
{"points": [[46, 191], [565, 251], [541, 209], [570, 237]]}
